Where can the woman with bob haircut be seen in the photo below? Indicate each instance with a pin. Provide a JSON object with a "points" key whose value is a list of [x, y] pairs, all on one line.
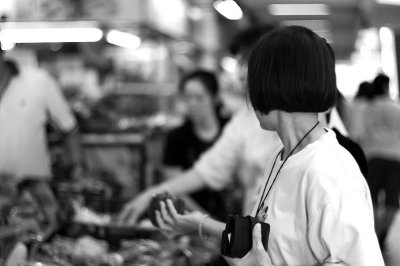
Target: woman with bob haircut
{"points": [[314, 196]]}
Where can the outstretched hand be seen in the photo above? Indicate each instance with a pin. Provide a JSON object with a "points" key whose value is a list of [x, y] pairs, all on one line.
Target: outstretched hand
{"points": [[132, 210], [169, 219], [257, 256]]}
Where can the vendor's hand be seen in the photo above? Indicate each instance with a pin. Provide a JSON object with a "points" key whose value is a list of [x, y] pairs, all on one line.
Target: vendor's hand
{"points": [[257, 256], [132, 211], [170, 220]]}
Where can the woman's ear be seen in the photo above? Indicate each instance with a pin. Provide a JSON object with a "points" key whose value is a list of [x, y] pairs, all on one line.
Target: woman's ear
{"points": [[268, 121]]}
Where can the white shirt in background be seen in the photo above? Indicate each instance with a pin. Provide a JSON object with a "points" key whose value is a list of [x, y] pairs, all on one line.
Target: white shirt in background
{"points": [[31, 100], [379, 129], [392, 242], [320, 209], [242, 148]]}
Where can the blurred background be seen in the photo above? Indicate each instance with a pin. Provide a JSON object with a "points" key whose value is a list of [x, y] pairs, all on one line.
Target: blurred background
{"points": [[118, 64]]}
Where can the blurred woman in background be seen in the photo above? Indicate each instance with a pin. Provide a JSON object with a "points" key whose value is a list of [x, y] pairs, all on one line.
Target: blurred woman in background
{"points": [[202, 125], [361, 99]]}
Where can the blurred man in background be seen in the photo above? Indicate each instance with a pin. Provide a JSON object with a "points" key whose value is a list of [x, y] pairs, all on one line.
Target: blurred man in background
{"points": [[29, 100], [378, 134]]}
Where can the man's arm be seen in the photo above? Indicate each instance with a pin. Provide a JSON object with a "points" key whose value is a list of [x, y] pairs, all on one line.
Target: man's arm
{"points": [[63, 120], [72, 144]]}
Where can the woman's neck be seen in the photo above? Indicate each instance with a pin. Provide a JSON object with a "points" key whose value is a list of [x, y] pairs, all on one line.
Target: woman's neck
{"points": [[207, 128], [293, 127]]}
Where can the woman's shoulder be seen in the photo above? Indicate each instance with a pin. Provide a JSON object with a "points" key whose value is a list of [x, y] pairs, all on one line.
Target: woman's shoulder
{"points": [[333, 171], [329, 162]]}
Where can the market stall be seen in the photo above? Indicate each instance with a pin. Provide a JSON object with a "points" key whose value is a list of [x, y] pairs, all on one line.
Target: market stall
{"points": [[118, 71], [84, 236]]}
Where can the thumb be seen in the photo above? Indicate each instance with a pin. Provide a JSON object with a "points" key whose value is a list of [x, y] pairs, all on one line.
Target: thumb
{"points": [[257, 243]]}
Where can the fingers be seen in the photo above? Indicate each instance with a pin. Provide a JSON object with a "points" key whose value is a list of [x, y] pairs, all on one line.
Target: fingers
{"points": [[165, 214], [161, 223], [257, 242], [171, 208]]}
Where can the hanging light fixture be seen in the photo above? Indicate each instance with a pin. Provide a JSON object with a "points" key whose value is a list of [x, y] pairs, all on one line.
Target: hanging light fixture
{"points": [[50, 32], [229, 9], [123, 39], [299, 9], [389, 2]]}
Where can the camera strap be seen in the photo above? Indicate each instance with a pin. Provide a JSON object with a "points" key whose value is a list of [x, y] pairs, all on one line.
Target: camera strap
{"points": [[261, 216]]}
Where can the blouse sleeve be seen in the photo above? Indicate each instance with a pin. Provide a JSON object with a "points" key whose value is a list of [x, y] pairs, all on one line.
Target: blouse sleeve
{"points": [[343, 233], [60, 113]]}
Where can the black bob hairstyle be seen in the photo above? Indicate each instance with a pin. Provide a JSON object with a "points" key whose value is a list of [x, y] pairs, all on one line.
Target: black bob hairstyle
{"points": [[292, 69]]}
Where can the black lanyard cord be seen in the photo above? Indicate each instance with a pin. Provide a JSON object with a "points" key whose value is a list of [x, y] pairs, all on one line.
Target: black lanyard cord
{"points": [[263, 198]]}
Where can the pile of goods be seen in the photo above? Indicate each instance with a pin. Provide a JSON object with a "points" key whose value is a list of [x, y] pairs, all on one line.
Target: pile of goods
{"points": [[88, 251], [86, 236]]}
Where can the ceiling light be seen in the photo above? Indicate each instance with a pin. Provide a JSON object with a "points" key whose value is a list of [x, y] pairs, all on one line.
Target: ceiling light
{"points": [[229, 9], [388, 58], [388, 2], [49, 35], [299, 9], [7, 46], [123, 39], [386, 35]]}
